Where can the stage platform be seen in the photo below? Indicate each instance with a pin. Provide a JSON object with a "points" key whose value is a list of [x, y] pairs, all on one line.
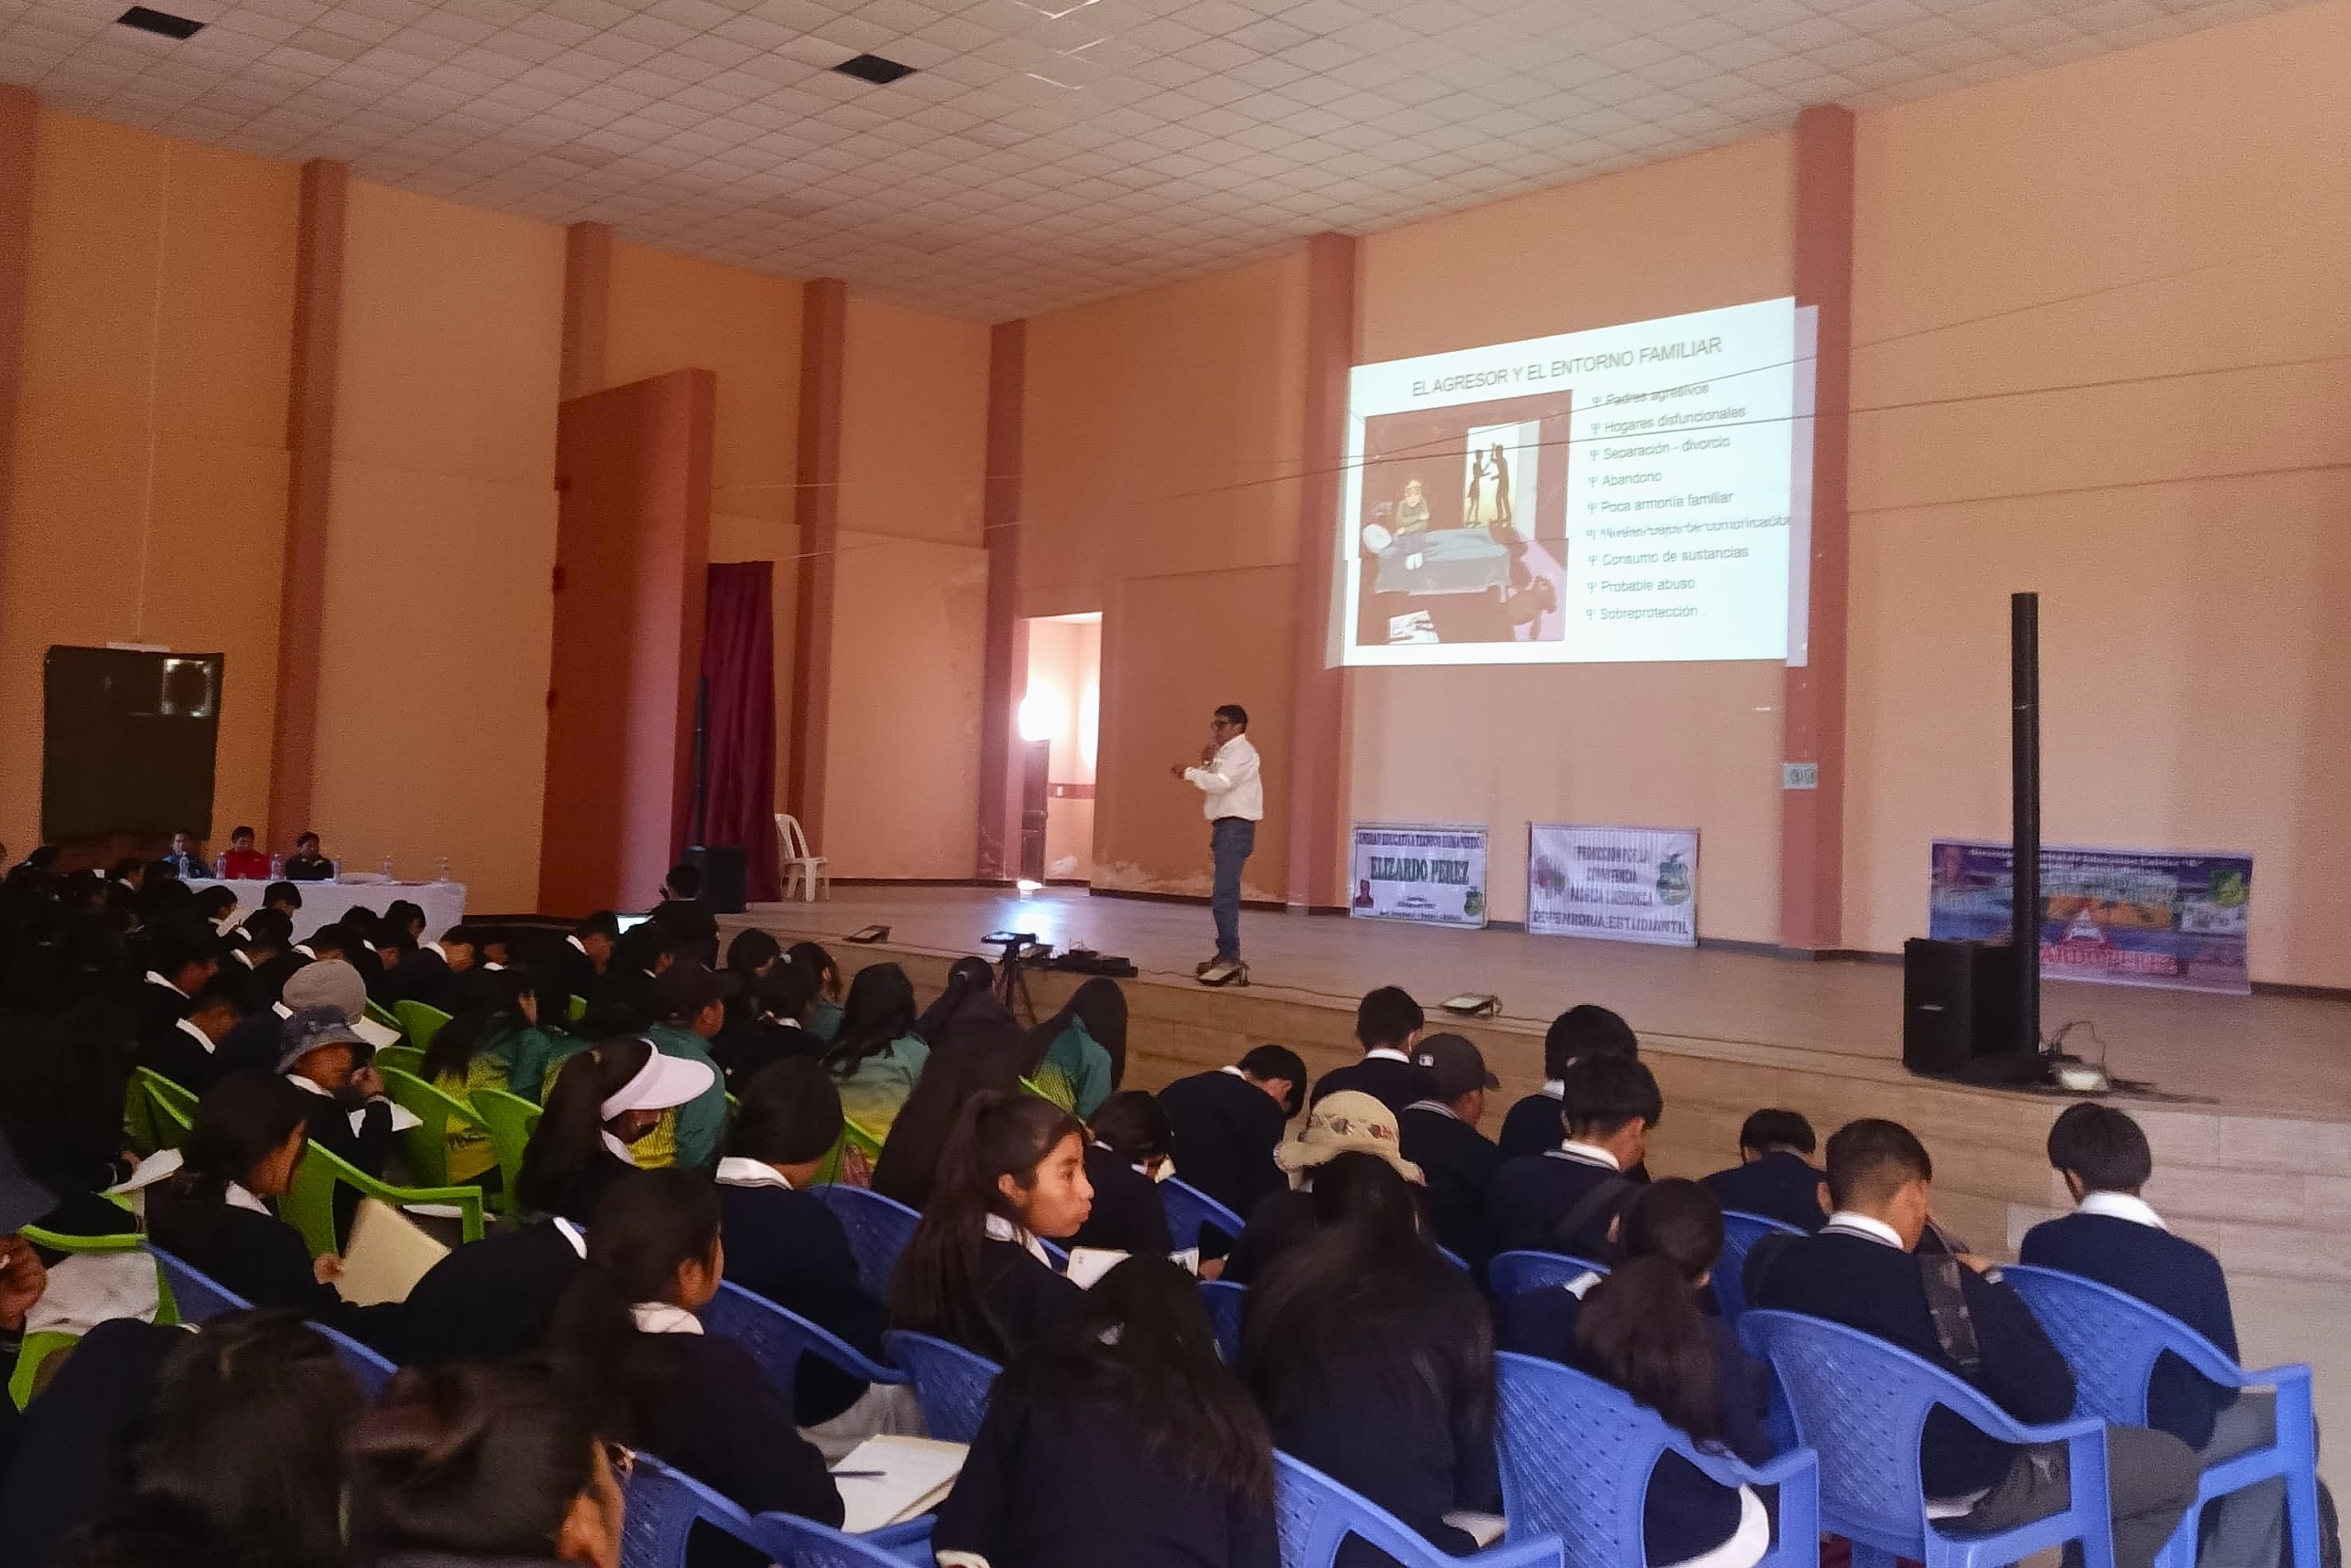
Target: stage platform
{"points": [[2249, 1106]]}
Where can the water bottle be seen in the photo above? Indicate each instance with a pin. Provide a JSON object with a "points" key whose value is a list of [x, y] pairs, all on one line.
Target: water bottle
{"points": [[386, 868], [277, 868], [445, 870], [220, 866]]}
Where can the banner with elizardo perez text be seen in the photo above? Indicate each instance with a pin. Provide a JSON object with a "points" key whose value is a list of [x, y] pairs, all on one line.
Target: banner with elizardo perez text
{"points": [[1432, 873]]}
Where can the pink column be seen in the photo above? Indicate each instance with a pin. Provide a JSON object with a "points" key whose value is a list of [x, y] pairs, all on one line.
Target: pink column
{"points": [[1812, 821], [1003, 665], [824, 319], [1316, 761]]}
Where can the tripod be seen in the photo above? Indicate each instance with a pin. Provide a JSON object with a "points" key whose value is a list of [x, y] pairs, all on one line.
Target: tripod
{"points": [[1012, 975]]}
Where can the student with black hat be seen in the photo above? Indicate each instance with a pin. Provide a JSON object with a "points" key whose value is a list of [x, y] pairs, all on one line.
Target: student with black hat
{"points": [[1440, 1136]]}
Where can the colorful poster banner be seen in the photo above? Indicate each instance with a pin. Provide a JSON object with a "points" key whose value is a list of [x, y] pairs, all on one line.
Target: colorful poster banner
{"points": [[2120, 918], [1620, 884], [1430, 873]]}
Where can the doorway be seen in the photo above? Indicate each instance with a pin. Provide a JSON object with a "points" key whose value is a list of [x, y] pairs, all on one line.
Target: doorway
{"points": [[1061, 714]]}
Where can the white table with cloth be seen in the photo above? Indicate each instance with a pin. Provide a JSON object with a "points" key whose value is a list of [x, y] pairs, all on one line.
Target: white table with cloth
{"points": [[325, 903]]}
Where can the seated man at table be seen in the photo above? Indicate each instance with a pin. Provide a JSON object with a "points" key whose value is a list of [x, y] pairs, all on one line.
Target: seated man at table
{"points": [[186, 859], [305, 863], [243, 863]]}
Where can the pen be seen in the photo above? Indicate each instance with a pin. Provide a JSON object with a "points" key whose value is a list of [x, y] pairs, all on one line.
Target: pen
{"points": [[859, 1475]]}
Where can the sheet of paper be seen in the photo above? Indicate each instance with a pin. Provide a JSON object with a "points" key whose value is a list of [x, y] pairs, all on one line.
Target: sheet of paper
{"points": [[387, 1254], [1088, 1264], [917, 1473]]}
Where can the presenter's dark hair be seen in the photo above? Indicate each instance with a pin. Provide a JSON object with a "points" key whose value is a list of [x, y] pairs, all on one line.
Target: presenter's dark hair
{"points": [[2103, 1146], [1872, 1159], [1388, 1017], [1233, 713], [1773, 1129], [1586, 1031], [1267, 1063], [1602, 1094]]}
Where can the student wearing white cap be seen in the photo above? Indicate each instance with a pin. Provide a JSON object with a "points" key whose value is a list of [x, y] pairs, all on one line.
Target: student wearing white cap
{"points": [[1343, 1122], [604, 1101]]}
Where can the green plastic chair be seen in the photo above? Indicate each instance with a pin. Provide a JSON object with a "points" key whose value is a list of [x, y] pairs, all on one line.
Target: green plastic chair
{"points": [[419, 1023], [857, 1135], [577, 1009], [426, 1145], [378, 1013], [308, 1205], [510, 1119], [405, 1059], [35, 1349], [171, 1110], [138, 1119], [829, 1172]]}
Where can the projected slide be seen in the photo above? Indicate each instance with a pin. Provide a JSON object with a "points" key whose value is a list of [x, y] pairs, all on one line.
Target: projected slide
{"points": [[1616, 495]]}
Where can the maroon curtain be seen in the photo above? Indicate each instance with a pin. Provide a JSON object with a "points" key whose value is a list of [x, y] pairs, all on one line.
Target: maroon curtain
{"points": [[738, 667]]}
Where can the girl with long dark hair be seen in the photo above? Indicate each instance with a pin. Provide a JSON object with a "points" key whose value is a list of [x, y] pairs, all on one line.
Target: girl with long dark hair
{"points": [[877, 1056], [482, 1466], [1373, 1358], [1120, 1437], [1014, 1170], [1077, 1057], [824, 1018], [975, 1056], [604, 1101], [970, 992], [236, 1458], [627, 1335], [248, 1136], [505, 1040]]}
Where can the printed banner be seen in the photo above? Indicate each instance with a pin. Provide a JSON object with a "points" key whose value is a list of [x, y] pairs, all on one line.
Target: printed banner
{"points": [[2122, 917], [1426, 872], [1622, 884]]}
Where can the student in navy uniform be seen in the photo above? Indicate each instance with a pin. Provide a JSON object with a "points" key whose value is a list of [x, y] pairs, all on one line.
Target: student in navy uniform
{"points": [[1775, 1176], [1224, 1125], [693, 929], [1859, 1270], [1126, 1144], [268, 936], [783, 1242], [1440, 1136], [627, 1335], [1532, 1126], [1120, 1437], [180, 961], [1337, 1125], [186, 1050], [1388, 1023], [324, 1057], [2114, 1238], [578, 960], [212, 1214], [1567, 1199], [1373, 1358], [1014, 1170], [644, 951], [768, 1026], [430, 974]]}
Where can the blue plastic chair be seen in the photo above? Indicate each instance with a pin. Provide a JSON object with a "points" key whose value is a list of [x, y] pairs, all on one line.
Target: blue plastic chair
{"points": [[950, 1382], [1189, 1208], [877, 1226], [1516, 1273], [196, 1297], [371, 1370], [794, 1542], [777, 1337], [1224, 1300], [2113, 1340], [1314, 1514], [1576, 1456], [1860, 1403], [664, 1506], [1739, 1233]]}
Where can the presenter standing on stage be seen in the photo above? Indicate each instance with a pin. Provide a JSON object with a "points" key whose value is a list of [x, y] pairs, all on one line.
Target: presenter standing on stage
{"points": [[1234, 801]]}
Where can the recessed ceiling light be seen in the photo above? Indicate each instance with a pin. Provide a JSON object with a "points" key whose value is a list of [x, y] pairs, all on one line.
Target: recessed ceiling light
{"points": [[873, 68], [161, 23]]}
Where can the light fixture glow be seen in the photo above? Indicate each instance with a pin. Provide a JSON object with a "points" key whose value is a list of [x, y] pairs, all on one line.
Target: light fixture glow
{"points": [[1024, 885], [1041, 717]]}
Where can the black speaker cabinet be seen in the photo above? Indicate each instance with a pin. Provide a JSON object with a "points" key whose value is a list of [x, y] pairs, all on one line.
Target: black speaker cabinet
{"points": [[1959, 1009], [722, 876]]}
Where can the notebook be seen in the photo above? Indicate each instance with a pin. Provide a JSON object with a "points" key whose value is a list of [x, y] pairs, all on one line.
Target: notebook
{"points": [[1087, 1265], [387, 1254], [917, 1473]]}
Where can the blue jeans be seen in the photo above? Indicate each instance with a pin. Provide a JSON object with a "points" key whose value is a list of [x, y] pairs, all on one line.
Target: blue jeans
{"points": [[1230, 840]]}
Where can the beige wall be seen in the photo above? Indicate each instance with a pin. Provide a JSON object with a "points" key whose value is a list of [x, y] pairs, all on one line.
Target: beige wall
{"points": [[1667, 745], [2102, 353], [432, 674], [914, 423], [151, 461]]}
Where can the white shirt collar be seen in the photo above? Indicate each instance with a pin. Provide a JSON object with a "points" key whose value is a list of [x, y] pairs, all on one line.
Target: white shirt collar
{"points": [[1845, 1222], [1233, 1071], [242, 956], [573, 1234], [236, 1197], [301, 1082], [575, 942], [2122, 1206], [1002, 1229], [1556, 1088], [1585, 1155], [433, 948], [619, 1150], [1382, 1053], [155, 978], [1439, 1106], [736, 1171], [304, 948], [281, 1010], [660, 1317], [198, 1035]]}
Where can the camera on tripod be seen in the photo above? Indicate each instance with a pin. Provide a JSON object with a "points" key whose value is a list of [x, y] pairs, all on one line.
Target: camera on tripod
{"points": [[1020, 948]]}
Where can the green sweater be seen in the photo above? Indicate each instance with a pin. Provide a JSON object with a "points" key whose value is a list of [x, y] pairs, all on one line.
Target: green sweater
{"points": [[1075, 1073], [702, 1121]]}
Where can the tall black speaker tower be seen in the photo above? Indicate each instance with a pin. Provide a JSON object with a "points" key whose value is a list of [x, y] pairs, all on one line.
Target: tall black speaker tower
{"points": [[2024, 767]]}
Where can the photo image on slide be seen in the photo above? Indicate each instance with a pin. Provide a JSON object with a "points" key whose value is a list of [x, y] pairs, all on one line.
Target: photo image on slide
{"points": [[1462, 535]]}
